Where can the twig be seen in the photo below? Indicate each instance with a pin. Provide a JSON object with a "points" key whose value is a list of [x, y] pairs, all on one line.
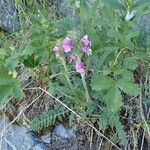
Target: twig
{"points": [[91, 139], [87, 122], [142, 140], [134, 140], [100, 144], [141, 112], [144, 133]]}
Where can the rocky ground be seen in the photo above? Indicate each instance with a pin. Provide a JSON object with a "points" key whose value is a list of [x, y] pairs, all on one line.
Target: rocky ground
{"points": [[17, 137]]}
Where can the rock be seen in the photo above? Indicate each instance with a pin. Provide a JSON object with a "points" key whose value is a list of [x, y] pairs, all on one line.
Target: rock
{"points": [[63, 132], [19, 138], [9, 18], [41, 146], [144, 30], [46, 138]]}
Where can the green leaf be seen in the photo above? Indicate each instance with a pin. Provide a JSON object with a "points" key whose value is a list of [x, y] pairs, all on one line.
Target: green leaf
{"points": [[31, 61], [117, 70], [11, 62], [5, 78], [113, 34], [102, 83], [103, 121], [113, 99], [18, 91], [140, 3], [106, 51], [3, 54], [8, 86], [129, 87], [127, 75], [115, 4], [6, 90], [130, 63], [146, 101], [106, 70], [120, 130]]}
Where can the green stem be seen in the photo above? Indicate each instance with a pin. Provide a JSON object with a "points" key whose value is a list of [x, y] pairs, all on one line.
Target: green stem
{"points": [[115, 62], [66, 73], [85, 87]]}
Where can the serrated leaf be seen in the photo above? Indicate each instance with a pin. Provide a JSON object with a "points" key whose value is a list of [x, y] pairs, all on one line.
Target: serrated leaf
{"points": [[127, 75], [8, 86], [5, 91], [120, 130], [113, 99], [130, 63], [106, 52], [102, 83], [129, 87], [113, 34], [103, 122], [117, 70], [11, 62]]}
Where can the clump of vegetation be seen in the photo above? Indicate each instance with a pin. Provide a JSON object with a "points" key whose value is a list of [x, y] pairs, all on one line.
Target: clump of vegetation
{"points": [[91, 62]]}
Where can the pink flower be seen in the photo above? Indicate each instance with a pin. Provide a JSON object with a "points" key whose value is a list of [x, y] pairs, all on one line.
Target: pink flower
{"points": [[67, 45], [57, 51], [72, 58], [80, 67], [86, 45]]}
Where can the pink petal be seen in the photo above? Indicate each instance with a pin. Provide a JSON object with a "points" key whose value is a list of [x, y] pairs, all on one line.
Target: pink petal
{"points": [[67, 45], [80, 67]]}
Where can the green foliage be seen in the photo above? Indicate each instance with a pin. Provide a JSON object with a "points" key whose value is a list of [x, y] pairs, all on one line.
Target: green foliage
{"points": [[8, 87], [130, 63], [102, 83], [111, 71], [111, 66], [128, 87], [58, 113]]}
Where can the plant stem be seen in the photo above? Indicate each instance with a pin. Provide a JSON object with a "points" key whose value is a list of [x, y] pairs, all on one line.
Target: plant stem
{"points": [[66, 73], [85, 87], [115, 62]]}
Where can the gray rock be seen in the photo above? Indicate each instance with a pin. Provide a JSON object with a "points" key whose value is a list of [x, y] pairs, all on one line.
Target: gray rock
{"points": [[19, 138], [40, 146], [9, 18], [63, 132], [144, 30], [46, 138]]}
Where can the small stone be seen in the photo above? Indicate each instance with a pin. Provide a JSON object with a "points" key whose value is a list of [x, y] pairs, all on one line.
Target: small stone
{"points": [[63, 132], [46, 138], [19, 138]]}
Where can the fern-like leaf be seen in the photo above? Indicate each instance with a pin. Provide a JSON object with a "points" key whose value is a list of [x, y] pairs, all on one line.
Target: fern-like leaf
{"points": [[48, 118]]}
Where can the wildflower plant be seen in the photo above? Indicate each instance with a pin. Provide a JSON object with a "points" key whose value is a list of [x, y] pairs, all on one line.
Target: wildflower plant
{"points": [[93, 62], [67, 52], [99, 56]]}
